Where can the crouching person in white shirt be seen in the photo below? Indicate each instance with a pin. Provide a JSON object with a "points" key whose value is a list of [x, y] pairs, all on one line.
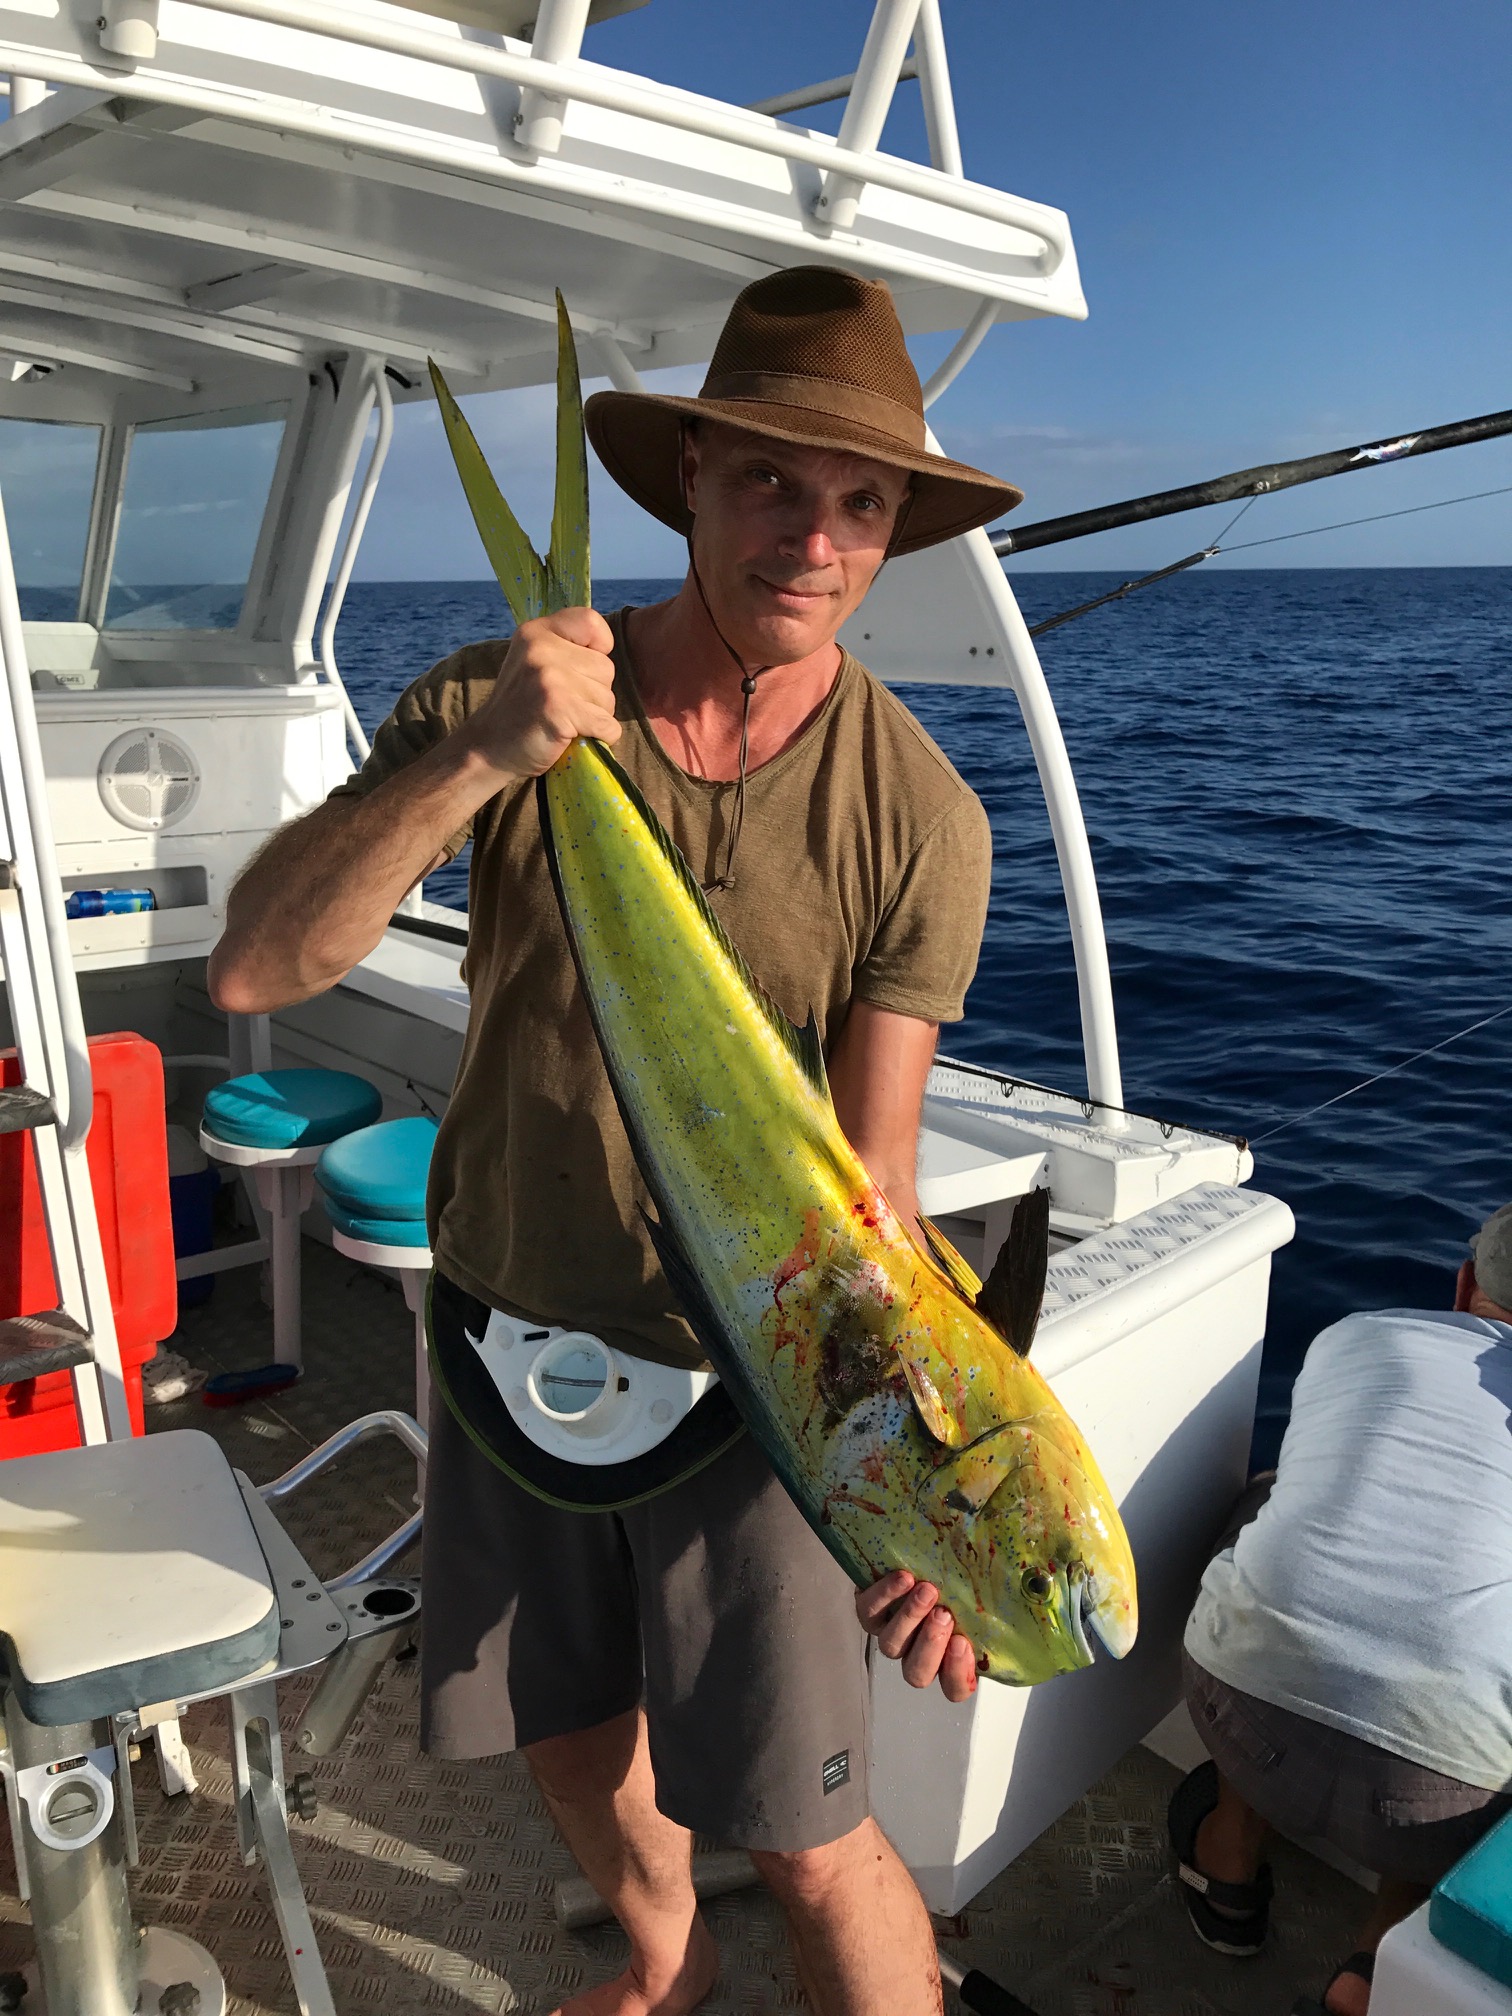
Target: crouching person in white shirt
{"points": [[1348, 1662]]}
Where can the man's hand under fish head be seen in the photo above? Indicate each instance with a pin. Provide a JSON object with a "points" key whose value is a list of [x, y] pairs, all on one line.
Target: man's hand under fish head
{"points": [[909, 1623]]}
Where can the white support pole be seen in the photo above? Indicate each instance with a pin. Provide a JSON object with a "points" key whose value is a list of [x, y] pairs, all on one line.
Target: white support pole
{"points": [[934, 88], [24, 93], [623, 375], [1094, 983], [558, 39], [892, 25], [286, 1189], [311, 533], [414, 1282], [966, 346], [349, 560]]}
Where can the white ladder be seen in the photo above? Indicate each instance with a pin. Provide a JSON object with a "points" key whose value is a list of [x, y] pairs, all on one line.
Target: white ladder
{"points": [[55, 1098]]}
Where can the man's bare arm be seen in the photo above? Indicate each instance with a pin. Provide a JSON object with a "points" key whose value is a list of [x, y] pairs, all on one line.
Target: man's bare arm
{"points": [[319, 896], [877, 1075]]}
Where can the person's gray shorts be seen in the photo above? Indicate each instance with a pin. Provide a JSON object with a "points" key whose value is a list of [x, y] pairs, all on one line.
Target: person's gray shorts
{"points": [[1307, 1778], [713, 1604]]}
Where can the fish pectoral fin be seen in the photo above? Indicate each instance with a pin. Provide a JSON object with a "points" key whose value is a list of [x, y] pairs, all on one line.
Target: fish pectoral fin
{"points": [[929, 1403], [810, 1053], [962, 1278], [1011, 1295], [964, 1483]]}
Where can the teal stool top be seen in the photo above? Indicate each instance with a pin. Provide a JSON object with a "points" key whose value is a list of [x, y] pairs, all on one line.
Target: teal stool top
{"points": [[380, 1173], [290, 1109], [1471, 1910], [379, 1231]]}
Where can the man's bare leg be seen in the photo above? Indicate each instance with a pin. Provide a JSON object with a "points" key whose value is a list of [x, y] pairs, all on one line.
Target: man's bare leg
{"points": [[1394, 1902], [598, 1785], [861, 1936], [1230, 1842]]}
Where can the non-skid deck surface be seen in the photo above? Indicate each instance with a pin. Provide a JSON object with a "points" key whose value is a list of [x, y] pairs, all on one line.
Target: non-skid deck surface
{"points": [[431, 1884]]}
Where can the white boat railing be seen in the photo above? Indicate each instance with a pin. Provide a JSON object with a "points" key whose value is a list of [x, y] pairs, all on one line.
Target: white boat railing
{"points": [[846, 169]]}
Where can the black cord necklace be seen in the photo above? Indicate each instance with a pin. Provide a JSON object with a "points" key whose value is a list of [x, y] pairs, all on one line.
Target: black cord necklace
{"points": [[748, 679]]}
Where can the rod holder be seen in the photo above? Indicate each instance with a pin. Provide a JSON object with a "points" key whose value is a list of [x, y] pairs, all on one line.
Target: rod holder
{"points": [[381, 1618]]}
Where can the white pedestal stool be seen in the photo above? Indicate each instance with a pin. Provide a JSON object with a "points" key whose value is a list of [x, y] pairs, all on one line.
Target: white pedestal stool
{"points": [[277, 1124], [373, 1182]]}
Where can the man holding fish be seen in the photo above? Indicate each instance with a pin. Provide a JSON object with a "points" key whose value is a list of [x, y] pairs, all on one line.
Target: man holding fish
{"points": [[664, 1636]]}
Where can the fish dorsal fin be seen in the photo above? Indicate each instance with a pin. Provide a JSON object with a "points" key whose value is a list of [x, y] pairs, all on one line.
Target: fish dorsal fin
{"points": [[802, 1045], [1012, 1293], [961, 1277]]}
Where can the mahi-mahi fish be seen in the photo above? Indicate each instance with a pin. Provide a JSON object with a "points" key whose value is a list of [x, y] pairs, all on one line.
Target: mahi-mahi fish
{"points": [[889, 1388]]}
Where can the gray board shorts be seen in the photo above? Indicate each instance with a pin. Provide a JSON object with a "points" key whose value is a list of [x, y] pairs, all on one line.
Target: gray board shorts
{"points": [[1307, 1778], [712, 1604]]}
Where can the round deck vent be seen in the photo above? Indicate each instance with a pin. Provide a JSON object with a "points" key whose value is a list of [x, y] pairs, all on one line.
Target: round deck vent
{"points": [[147, 780]]}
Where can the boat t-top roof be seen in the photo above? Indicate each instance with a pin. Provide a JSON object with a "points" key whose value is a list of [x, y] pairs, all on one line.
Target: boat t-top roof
{"points": [[216, 199]]}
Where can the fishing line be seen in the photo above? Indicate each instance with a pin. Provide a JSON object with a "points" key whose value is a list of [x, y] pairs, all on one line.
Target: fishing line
{"points": [[1247, 546], [1391, 1071], [1218, 542], [1375, 518]]}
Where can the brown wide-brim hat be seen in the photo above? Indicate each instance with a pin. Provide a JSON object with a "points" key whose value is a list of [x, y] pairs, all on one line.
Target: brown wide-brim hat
{"points": [[814, 356]]}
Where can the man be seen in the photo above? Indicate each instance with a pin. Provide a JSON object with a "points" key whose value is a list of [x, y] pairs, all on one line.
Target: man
{"points": [[686, 1657], [1349, 1660]]}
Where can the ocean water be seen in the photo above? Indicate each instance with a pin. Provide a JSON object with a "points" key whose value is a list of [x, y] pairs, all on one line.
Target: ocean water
{"points": [[1298, 786]]}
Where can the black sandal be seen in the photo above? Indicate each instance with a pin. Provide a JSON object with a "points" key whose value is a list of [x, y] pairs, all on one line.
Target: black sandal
{"points": [[1241, 1937], [1362, 1964]]}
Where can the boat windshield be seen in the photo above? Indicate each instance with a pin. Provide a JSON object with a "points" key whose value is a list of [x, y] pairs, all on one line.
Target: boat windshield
{"points": [[47, 475], [192, 505]]}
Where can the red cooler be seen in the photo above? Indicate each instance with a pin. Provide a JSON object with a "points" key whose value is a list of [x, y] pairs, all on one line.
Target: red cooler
{"points": [[128, 1166]]}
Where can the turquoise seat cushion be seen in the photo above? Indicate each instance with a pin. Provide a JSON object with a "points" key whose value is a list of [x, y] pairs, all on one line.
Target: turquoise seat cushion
{"points": [[378, 1231], [380, 1172], [1471, 1910], [290, 1109]]}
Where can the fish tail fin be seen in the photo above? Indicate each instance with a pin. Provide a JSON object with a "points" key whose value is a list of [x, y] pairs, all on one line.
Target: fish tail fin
{"points": [[520, 570], [567, 572], [1011, 1295]]}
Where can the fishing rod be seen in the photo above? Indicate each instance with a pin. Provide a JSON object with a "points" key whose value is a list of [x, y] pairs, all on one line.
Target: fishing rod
{"points": [[1257, 482]]}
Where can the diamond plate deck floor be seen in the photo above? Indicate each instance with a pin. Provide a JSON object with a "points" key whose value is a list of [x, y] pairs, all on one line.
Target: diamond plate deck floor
{"points": [[431, 1884]]}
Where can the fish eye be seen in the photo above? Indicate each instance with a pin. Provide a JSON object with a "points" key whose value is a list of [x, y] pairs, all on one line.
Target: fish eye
{"points": [[1036, 1584]]}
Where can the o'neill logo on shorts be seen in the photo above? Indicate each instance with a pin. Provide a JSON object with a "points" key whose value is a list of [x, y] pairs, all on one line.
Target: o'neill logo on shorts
{"points": [[835, 1772]]}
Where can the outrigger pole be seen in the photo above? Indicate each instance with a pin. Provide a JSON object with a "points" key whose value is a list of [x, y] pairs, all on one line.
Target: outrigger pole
{"points": [[1249, 483]]}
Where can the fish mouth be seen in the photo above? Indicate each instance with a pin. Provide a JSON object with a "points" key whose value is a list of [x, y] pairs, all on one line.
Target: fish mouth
{"points": [[1107, 1619], [1090, 1612], [1078, 1613]]}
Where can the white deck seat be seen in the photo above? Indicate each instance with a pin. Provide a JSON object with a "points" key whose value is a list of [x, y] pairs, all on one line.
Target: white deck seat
{"points": [[129, 1574]]}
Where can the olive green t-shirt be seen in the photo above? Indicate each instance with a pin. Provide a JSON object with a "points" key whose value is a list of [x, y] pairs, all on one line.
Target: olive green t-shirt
{"points": [[861, 874]]}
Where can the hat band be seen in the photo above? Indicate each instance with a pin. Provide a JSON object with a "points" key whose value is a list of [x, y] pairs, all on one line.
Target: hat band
{"points": [[873, 410]]}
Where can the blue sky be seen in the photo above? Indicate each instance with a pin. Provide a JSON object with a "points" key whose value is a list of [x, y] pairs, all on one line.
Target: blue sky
{"points": [[1295, 230]]}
